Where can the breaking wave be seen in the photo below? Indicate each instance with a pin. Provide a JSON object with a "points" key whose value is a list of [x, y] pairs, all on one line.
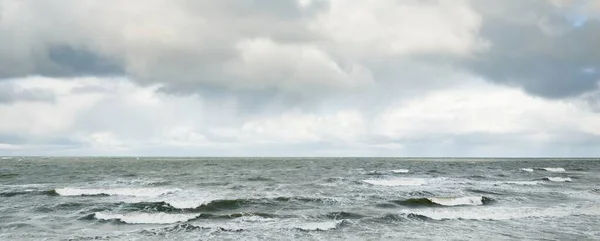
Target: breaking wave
{"points": [[216, 205], [558, 179], [400, 171], [19, 193], [527, 169], [522, 183], [553, 169], [497, 213], [146, 218], [319, 226], [136, 192], [442, 201]]}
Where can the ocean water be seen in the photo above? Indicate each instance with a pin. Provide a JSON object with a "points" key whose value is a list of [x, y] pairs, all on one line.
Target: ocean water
{"points": [[299, 199]]}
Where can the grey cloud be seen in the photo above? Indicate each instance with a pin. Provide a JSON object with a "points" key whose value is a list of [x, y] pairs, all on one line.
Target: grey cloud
{"points": [[81, 62], [195, 49], [10, 94], [524, 53]]}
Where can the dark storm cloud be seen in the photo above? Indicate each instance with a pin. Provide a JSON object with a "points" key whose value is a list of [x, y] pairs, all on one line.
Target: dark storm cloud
{"points": [[535, 47]]}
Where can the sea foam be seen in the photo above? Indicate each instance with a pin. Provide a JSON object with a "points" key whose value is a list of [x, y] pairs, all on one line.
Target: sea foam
{"points": [[396, 182], [558, 179], [319, 226], [458, 201], [146, 218], [498, 213], [136, 192]]}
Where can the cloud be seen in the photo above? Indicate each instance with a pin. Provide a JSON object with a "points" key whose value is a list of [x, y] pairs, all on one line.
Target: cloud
{"points": [[227, 45], [475, 119], [524, 53], [312, 77], [9, 93]]}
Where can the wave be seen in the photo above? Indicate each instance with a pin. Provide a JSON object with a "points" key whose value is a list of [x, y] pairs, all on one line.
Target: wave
{"points": [[396, 182], [186, 227], [483, 191], [445, 201], [136, 192], [375, 173], [259, 179], [497, 213], [344, 215], [527, 169], [216, 205], [400, 171], [319, 226], [8, 175], [558, 179], [553, 169], [522, 183], [19, 193], [146, 218]]}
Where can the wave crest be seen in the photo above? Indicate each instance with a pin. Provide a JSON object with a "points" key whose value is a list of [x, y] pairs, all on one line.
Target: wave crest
{"points": [[146, 218], [446, 201], [558, 179], [136, 192], [396, 182], [501, 213]]}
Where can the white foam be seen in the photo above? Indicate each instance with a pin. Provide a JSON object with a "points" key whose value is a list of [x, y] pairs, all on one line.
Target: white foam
{"points": [[146, 218], [554, 169], [527, 169], [559, 179], [457, 201], [399, 171], [184, 204], [136, 192], [396, 182], [500, 213], [523, 183], [319, 226]]}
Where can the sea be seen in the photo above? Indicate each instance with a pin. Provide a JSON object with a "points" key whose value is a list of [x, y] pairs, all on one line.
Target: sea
{"points": [[155, 198]]}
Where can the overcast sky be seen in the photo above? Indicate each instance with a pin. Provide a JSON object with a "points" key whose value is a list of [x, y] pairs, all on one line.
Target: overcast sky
{"points": [[300, 77]]}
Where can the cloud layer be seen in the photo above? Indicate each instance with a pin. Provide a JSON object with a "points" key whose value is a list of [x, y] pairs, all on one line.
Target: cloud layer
{"points": [[307, 77]]}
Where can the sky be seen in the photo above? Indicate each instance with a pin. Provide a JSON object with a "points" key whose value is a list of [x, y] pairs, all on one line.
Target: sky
{"points": [[418, 78]]}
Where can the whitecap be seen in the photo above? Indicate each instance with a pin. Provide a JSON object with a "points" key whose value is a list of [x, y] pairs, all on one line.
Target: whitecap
{"points": [[527, 169], [319, 226], [399, 171], [186, 204], [554, 169], [136, 192], [457, 201], [558, 179], [396, 182], [146, 218], [501, 213], [523, 183]]}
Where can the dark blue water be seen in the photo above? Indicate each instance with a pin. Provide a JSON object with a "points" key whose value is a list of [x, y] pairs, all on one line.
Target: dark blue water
{"points": [[299, 198]]}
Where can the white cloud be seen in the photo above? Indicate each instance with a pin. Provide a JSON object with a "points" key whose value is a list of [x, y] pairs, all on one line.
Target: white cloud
{"points": [[128, 119], [264, 63], [485, 108], [394, 27]]}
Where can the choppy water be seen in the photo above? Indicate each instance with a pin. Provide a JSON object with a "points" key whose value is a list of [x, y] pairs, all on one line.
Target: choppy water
{"points": [[307, 199]]}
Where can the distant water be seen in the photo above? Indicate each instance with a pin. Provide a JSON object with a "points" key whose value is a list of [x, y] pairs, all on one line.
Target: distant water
{"points": [[296, 198]]}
